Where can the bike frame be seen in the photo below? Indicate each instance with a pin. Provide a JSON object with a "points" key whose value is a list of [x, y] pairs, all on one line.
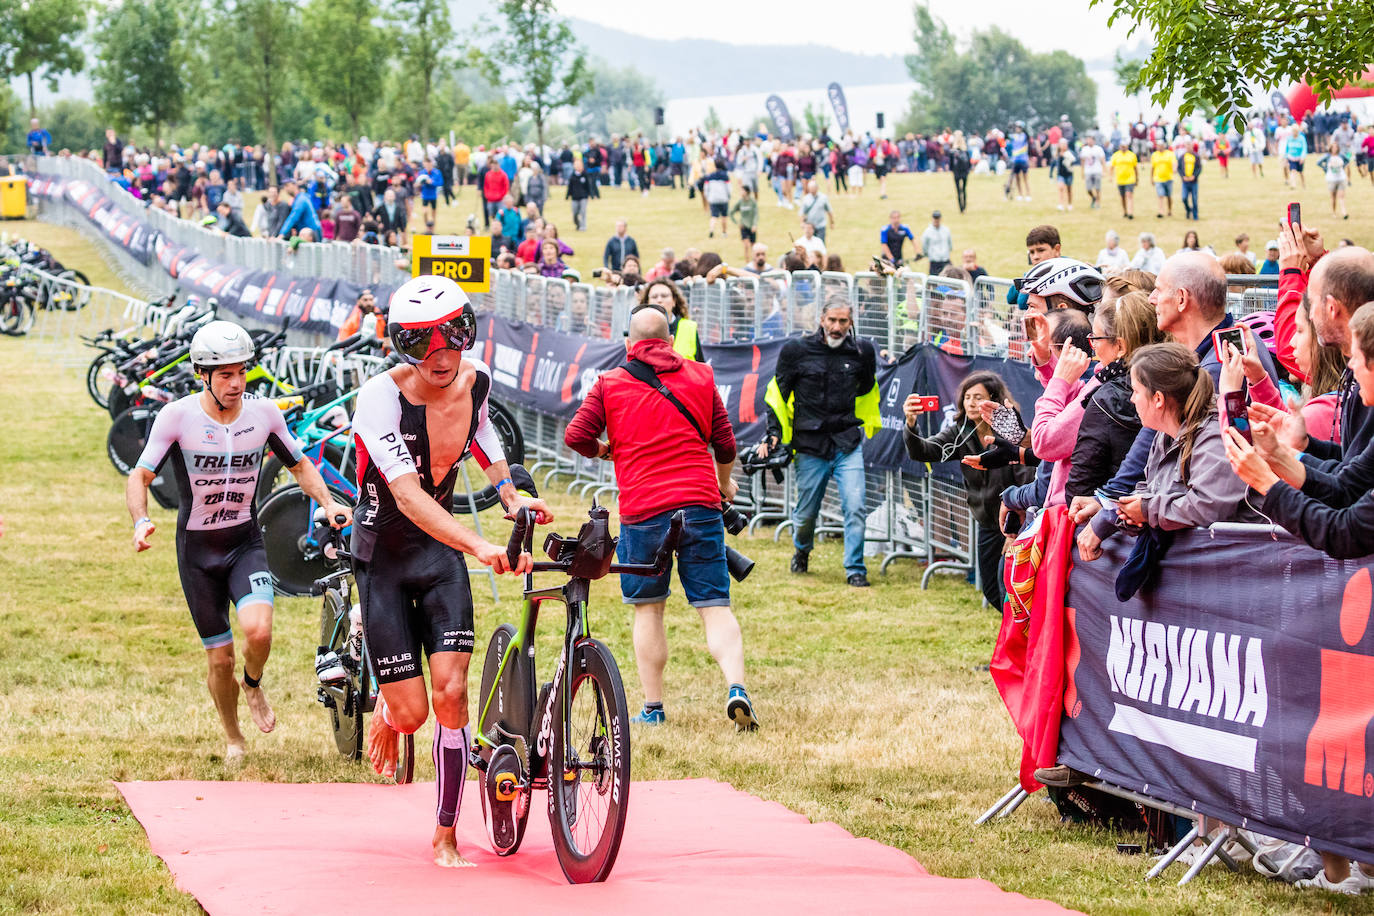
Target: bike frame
{"points": [[573, 596]]}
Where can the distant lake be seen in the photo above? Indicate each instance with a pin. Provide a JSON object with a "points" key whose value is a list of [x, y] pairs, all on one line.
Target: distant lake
{"points": [[864, 104]]}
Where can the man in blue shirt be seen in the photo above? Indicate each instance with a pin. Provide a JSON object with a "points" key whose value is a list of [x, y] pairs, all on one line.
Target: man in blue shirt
{"points": [[301, 216], [893, 235], [677, 154], [430, 180], [1295, 151], [1018, 148], [38, 139]]}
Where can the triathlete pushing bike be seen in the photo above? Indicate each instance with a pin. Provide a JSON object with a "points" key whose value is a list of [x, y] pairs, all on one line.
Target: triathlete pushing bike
{"points": [[215, 441], [413, 425]]}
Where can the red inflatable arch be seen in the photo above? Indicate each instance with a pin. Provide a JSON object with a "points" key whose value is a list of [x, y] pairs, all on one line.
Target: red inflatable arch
{"points": [[1302, 99]]}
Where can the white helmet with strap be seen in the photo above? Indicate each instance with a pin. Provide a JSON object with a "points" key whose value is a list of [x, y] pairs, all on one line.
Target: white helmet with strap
{"points": [[222, 343]]}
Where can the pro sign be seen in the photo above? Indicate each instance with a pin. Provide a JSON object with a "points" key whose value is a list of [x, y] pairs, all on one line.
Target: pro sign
{"points": [[462, 258]]}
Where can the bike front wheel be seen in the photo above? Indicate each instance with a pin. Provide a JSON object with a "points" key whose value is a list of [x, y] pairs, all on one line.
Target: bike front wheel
{"points": [[342, 700], [589, 770]]}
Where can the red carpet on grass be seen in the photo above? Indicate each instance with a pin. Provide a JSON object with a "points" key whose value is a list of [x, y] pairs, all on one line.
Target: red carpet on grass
{"points": [[693, 846]]}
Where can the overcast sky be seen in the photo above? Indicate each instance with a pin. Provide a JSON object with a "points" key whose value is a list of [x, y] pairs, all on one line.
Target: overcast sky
{"points": [[864, 26]]}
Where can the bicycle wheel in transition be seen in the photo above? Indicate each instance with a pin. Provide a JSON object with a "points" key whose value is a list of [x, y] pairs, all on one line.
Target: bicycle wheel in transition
{"points": [[124, 444], [589, 767], [285, 520], [510, 711], [344, 699], [512, 443]]}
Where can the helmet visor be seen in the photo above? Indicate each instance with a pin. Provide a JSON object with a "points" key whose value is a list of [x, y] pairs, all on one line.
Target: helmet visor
{"points": [[414, 345]]}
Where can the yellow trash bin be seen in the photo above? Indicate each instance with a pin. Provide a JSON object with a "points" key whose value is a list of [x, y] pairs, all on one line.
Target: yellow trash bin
{"points": [[14, 202]]}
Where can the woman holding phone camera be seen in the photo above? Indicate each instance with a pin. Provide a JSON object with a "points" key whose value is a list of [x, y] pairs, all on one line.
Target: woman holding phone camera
{"points": [[961, 437], [1188, 480]]}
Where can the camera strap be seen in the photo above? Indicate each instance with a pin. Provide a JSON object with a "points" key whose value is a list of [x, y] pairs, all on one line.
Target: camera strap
{"points": [[646, 374]]}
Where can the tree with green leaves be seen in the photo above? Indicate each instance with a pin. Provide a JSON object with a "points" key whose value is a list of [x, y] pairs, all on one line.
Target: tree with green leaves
{"points": [[345, 58], [816, 118], [618, 94], [141, 72], [535, 57], [251, 49], [996, 80], [45, 38], [1216, 51], [426, 38]]}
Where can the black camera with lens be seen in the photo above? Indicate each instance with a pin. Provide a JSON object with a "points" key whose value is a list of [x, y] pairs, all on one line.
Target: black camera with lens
{"points": [[734, 519], [739, 565]]}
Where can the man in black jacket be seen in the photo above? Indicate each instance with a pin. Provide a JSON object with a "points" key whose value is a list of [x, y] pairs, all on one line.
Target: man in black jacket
{"points": [[579, 189], [823, 400], [230, 222], [618, 247]]}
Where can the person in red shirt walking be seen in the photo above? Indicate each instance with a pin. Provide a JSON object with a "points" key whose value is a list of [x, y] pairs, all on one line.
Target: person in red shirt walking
{"points": [[668, 458], [495, 187]]}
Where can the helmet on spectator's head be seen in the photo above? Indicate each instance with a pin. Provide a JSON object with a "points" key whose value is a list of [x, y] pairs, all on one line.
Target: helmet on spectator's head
{"points": [[221, 343], [1261, 324], [1077, 281], [427, 314]]}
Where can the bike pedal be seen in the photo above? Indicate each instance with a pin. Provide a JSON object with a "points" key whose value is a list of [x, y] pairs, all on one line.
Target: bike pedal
{"points": [[506, 785]]}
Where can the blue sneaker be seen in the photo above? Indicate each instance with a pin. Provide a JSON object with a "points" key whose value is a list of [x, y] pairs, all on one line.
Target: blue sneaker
{"points": [[739, 710], [647, 716]]}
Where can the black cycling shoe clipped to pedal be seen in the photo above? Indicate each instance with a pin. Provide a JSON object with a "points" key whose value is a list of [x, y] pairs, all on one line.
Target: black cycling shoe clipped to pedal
{"points": [[501, 784]]}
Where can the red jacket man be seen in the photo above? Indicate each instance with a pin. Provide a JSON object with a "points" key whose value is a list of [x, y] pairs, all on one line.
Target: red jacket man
{"points": [[662, 465]]}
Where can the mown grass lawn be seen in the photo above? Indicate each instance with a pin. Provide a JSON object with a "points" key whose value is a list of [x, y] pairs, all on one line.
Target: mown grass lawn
{"points": [[876, 712]]}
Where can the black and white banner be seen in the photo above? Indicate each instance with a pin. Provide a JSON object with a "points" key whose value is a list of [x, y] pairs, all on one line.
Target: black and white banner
{"points": [[1241, 687]]}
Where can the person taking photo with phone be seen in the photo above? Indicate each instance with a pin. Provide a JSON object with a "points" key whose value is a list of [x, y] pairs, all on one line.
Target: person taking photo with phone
{"points": [[962, 436]]}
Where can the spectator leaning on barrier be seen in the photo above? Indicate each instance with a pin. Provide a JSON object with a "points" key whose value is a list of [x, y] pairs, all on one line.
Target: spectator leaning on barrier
{"points": [[618, 246], [960, 438], [823, 402], [664, 294], [668, 458]]}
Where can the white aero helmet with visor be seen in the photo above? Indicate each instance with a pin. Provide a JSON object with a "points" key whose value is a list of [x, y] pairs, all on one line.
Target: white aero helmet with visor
{"points": [[428, 314], [221, 343], [1077, 281]]}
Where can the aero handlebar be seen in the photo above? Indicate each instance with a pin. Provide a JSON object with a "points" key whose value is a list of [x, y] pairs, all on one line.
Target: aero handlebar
{"points": [[522, 541]]}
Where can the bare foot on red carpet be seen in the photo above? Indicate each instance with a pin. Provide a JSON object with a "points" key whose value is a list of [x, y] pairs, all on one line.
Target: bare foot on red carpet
{"points": [[446, 853], [381, 744], [263, 716]]}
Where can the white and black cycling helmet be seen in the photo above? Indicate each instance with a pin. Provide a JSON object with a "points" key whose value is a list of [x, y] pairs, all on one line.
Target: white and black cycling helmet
{"points": [[428, 314], [1077, 281], [221, 343]]}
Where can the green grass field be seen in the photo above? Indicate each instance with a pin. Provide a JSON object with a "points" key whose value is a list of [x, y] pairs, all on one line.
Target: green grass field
{"points": [[876, 713], [995, 227]]}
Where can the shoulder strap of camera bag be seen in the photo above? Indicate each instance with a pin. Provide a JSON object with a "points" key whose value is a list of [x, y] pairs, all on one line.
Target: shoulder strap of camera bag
{"points": [[646, 374]]}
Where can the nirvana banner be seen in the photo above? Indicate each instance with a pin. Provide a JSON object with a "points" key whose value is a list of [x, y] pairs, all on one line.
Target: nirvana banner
{"points": [[1241, 687]]}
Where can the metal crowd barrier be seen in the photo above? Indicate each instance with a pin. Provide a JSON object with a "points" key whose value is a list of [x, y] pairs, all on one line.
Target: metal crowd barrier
{"points": [[925, 518]]}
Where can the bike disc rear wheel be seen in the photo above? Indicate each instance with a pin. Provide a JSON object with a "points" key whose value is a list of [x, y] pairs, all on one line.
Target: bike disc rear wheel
{"points": [[510, 710], [99, 377], [346, 711], [285, 520], [589, 770], [124, 444], [512, 445]]}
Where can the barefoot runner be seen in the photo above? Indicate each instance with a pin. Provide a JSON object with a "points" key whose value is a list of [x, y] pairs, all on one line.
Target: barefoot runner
{"points": [[215, 440], [413, 425]]}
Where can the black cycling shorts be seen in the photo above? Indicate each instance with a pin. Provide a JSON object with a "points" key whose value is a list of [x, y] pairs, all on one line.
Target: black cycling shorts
{"points": [[218, 566], [415, 595]]}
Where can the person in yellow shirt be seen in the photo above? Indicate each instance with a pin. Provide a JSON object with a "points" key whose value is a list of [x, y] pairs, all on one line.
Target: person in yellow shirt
{"points": [[1162, 174], [462, 156], [1124, 165]]}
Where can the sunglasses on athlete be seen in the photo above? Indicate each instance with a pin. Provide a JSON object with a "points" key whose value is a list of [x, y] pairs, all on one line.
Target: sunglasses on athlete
{"points": [[414, 345]]}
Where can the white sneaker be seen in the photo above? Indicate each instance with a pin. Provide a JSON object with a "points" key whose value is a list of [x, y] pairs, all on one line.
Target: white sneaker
{"points": [[1060, 208], [1351, 886], [328, 667]]}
